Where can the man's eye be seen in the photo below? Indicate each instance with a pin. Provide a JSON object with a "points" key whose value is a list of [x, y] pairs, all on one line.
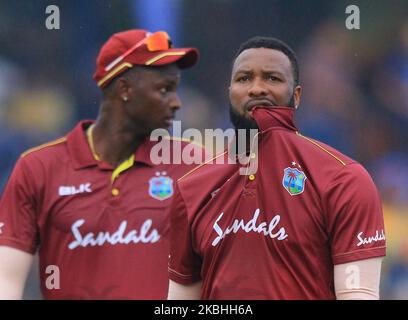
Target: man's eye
{"points": [[164, 90], [243, 79], [273, 78]]}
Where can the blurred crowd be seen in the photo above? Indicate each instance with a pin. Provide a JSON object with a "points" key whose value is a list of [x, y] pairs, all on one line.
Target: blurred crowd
{"points": [[355, 84]]}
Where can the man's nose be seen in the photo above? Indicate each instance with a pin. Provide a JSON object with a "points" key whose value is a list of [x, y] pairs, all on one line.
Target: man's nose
{"points": [[175, 102], [257, 88]]}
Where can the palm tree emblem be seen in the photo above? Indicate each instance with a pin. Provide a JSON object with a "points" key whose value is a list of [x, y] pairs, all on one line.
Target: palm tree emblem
{"points": [[294, 181]]}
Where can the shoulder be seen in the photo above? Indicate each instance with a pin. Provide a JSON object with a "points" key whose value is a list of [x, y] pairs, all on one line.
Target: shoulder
{"points": [[203, 179], [45, 153], [34, 163], [352, 186], [318, 150], [44, 149], [195, 188], [183, 153], [210, 166], [323, 164], [354, 173], [345, 166], [184, 142]]}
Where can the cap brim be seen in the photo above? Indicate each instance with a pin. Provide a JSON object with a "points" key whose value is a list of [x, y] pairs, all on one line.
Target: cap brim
{"points": [[184, 57]]}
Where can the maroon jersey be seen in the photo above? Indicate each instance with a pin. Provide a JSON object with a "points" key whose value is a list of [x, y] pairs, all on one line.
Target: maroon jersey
{"points": [[103, 227], [276, 234]]}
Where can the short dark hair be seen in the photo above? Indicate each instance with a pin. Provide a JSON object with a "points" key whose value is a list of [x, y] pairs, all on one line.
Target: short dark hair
{"points": [[276, 44]]}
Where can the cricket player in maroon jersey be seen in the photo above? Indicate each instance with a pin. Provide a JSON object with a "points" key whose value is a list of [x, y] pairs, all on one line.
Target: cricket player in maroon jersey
{"points": [[307, 225], [93, 201]]}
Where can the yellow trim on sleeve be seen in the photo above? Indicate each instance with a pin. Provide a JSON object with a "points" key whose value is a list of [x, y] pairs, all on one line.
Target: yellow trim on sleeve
{"points": [[165, 54], [123, 167], [42, 146], [322, 148], [201, 165], [185, 140], [113, 72], [177, 139]]}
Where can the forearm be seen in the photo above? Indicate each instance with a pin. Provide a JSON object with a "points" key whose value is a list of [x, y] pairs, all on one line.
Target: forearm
{"points": [[14, 268], [184, 292], [10, 289], [358, 280]]}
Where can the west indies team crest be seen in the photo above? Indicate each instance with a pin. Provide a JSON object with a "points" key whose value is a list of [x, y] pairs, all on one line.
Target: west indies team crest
{"points": [[161, 186], [294, 180]]}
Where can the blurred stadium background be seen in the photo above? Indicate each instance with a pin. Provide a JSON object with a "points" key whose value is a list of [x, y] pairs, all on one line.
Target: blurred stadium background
{"points": [[355, 83]]}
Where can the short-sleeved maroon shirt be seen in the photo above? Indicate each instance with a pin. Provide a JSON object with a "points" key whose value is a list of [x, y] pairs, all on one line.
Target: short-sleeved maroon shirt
{"points": [[276, 234], [104, 228]]}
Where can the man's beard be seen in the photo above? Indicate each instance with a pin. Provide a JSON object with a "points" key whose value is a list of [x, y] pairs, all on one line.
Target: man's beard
{"points": [[245, 121], [241, 121]]}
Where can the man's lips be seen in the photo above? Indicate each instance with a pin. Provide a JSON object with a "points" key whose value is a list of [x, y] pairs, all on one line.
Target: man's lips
{"points": [[169, 120], [258, 103], [170, 117]]}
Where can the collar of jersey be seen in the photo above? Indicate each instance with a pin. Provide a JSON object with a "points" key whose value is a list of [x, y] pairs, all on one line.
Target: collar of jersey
{"points": [[276, 117], [82, 157]]}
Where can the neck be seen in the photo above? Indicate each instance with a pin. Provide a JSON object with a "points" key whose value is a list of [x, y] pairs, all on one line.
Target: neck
{"points": [[113, 142]]}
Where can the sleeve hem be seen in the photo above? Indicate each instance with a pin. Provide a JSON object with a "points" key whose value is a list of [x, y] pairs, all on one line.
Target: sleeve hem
{"points": [[16, 244], [182, 279], [359, 255]]}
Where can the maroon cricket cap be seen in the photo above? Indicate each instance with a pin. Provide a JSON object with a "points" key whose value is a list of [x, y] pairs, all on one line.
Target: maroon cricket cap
{"points": [[125, 49]]}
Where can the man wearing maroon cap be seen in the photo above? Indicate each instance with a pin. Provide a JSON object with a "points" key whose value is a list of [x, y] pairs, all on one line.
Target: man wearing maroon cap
{"points": [[93, 202], [307, 224]]}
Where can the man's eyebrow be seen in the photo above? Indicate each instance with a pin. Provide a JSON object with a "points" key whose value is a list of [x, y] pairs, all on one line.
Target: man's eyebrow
{"points": [[272, 71], [243, 71], [248, 71], [170, 78]]}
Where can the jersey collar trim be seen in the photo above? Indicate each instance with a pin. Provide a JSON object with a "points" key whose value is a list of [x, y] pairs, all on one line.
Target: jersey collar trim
{"points": [[81, 154]]}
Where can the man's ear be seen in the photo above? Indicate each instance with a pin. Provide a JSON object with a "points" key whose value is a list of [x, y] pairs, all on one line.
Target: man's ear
{"points": [[123, 89], [297, 95]]}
